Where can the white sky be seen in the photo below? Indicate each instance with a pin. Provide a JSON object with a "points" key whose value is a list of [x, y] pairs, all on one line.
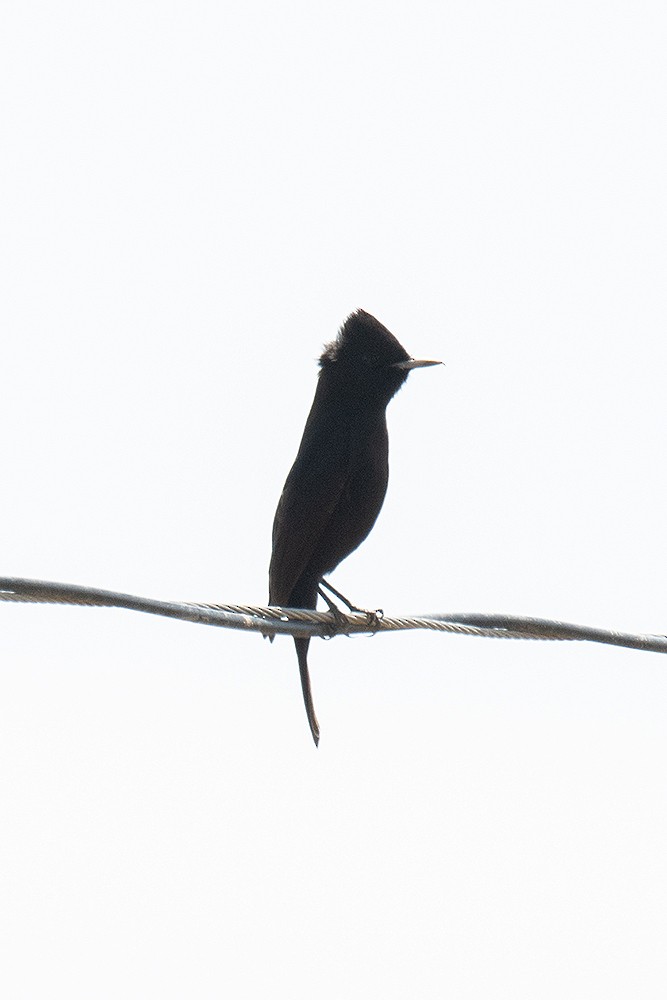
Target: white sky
{"points": [[193, 196]]}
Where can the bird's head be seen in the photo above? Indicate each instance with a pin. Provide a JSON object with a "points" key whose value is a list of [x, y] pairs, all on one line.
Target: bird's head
{"points": [[366, 361]]}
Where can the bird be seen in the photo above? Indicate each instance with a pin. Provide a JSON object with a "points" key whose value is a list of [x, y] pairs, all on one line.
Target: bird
{"points": [[337, 484]]}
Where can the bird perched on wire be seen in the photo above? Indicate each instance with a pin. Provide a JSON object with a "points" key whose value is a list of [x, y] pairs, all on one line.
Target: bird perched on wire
{"points": [[336, 487]]}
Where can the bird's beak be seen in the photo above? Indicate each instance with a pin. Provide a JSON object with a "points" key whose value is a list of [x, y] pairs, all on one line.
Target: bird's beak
{"points": [[411, 363]]}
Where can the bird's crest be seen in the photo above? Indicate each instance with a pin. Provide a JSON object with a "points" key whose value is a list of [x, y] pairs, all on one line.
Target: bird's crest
{"points": [[362, 334]]}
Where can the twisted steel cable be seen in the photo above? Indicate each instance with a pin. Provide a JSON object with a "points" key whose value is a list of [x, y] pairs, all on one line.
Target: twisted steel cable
{"points": [[295, 622]]}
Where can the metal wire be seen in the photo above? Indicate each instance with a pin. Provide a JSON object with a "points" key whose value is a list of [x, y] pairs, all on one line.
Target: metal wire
{"points": [[294, 622]]}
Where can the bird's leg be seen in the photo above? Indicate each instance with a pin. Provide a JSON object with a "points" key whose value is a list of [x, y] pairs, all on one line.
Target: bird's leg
{"points": [[372, 616], [339, 618]]}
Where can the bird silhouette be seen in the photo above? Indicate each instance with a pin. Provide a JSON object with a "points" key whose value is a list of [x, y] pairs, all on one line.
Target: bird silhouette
{"points": [[337, 485]]}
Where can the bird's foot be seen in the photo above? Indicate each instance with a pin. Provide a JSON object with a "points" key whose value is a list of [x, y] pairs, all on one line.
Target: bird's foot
{"points": [[372, 617], [340, 622]]}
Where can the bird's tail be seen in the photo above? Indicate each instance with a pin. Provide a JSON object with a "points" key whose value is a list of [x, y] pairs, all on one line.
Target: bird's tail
{"points": [[302, 656]]}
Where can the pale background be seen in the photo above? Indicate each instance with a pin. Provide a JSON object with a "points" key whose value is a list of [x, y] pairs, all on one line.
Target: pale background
{"points": [[193, 197]]}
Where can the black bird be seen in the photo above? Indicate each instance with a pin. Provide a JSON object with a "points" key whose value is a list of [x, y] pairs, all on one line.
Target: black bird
{"points": [[338, 482]]}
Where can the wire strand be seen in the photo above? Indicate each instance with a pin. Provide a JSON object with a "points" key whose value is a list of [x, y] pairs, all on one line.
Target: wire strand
{"points": [[296, 622]]}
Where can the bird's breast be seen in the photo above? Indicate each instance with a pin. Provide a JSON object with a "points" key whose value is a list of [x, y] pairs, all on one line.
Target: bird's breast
{"points": [[360, 500]]}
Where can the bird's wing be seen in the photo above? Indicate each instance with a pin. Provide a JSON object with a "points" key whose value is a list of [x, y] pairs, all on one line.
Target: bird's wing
{"points": [[309, 498]]}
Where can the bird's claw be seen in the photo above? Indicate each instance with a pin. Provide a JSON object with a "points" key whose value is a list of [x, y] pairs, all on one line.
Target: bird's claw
{"points": [[373, 618], [339, 623]]}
